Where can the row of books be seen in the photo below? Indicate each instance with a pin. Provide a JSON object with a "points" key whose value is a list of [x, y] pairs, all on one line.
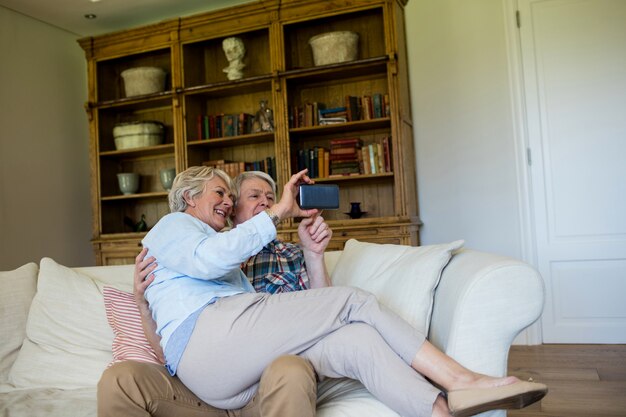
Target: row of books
{"points": [[223, 125], [316, 160], [366, 107], [346, 157], [234, 168]]}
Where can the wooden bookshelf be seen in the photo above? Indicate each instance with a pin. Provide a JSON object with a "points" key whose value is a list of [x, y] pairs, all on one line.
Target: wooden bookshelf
{"points": [[280, 69]]}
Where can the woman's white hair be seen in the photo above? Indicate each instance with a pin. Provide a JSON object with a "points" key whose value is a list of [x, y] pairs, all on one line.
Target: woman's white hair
{"points": [[248, 175], [191, 182]]}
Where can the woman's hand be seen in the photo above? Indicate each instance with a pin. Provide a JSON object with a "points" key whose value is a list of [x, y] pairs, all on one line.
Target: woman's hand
{"points": [[287, 206], [143, 277]]}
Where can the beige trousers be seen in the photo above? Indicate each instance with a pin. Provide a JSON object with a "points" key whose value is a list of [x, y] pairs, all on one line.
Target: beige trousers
{"points": [[288, 388], [343, 331]]}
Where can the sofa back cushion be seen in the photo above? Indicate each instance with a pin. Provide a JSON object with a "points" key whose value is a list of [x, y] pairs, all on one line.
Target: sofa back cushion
{"points": [[17, 289], [404, 278], [68, 340]]}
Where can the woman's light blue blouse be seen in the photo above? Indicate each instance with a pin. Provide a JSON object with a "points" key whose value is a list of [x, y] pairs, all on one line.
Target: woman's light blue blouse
{"points": [[197, 265]]}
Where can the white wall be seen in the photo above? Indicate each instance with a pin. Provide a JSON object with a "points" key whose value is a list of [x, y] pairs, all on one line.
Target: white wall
{"points": [[463, 127], [44, 146]]}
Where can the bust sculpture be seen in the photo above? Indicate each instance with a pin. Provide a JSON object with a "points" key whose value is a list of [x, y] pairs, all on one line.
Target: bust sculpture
{"points": [[235, 51]]}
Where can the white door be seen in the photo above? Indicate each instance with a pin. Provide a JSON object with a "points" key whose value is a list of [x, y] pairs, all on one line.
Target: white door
{"points": [[574, 68]]}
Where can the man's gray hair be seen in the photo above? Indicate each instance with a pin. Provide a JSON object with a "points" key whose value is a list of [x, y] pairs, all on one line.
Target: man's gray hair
{"points": [[247, 175]]}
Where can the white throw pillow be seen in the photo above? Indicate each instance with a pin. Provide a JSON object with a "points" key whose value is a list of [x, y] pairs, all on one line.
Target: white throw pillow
{"points": [[403, 278], [68, 339], [17, 289]]}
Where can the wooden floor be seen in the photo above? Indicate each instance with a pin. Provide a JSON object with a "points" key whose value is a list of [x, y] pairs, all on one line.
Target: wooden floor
{"points": [[583, 380]]}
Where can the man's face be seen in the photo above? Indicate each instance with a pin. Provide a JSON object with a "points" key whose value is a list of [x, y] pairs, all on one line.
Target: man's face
{"points": [[255, 196]]}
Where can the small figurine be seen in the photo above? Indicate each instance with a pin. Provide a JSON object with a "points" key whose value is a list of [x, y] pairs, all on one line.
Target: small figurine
{"points": [[235, 51], [140, 226], [264, 119]]}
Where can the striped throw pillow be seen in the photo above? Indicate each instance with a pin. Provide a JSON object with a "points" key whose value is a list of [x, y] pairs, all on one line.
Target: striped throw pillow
{"points": [[129, 342]]}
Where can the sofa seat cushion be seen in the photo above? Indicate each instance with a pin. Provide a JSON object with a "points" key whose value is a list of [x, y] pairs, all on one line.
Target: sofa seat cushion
{"points": [[404, 278], [49, 402], [17, 289], [345, 397]]}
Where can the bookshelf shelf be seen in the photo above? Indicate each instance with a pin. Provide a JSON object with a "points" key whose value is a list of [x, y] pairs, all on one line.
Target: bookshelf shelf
{"points": [[164, 150], [358, 177], [356, 126], [233, 140], [135, 196], [280, 70]]}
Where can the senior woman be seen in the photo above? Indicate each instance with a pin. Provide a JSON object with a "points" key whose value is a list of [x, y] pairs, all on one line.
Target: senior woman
{"points": [[218, 334]]}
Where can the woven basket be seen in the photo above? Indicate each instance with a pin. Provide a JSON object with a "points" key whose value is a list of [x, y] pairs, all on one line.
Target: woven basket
{"points": [[143, 80], [334, 47]]}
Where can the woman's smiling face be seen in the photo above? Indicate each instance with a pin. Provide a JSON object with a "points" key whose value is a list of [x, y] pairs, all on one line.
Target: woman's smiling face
{"points": [[214, 205]]}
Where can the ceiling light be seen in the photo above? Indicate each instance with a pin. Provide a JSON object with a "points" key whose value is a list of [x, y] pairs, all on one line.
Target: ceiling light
{"points": [[90, 16]]}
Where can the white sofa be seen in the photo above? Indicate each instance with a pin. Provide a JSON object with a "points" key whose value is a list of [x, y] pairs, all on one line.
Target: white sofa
{"points": [[56, 341]]}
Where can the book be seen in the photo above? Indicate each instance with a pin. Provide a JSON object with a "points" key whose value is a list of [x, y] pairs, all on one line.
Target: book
{"points": [[386, 106], [353, 106], [366, 108], [387, 153], [377, 104]]}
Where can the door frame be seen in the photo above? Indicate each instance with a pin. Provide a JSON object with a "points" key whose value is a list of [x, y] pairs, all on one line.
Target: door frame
{"points": [[528, 242]]}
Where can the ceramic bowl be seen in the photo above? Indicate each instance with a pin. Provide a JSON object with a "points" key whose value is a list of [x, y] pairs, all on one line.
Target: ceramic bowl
{"points": [[128, 182], [167, 177]]}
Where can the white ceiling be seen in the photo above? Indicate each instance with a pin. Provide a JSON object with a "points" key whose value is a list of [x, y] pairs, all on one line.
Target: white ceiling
{"points": [[111, 15]]}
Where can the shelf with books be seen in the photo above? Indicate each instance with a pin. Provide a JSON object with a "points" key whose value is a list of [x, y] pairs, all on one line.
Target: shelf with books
{"points": [[234, 168], [355, 177], [205, 61], [338, 101], [236, 149], [225, 112], [248, 139], [359, 125], [349, 152]]}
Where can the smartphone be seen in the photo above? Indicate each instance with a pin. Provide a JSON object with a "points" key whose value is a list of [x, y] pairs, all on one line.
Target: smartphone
{"points": [[322, 196]]}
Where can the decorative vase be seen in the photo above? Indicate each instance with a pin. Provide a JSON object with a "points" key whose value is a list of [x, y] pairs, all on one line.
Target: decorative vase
{"points": [[167, 177], [355, 210], [128, 182]]}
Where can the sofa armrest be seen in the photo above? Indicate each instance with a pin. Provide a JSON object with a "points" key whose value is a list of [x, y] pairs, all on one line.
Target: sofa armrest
{"points": [[481, 304]]}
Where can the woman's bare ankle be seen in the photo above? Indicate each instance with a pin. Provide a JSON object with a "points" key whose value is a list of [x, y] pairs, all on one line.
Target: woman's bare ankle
{"points": [[440, 407]]}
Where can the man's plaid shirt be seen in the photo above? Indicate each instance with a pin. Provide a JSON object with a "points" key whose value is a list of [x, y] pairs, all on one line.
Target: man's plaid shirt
{"points": [[279, 267]]}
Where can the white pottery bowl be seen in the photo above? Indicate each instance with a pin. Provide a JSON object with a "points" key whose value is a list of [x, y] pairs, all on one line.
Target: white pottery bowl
{"points": [[138, 134], [143, 80], [334, 47]]}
